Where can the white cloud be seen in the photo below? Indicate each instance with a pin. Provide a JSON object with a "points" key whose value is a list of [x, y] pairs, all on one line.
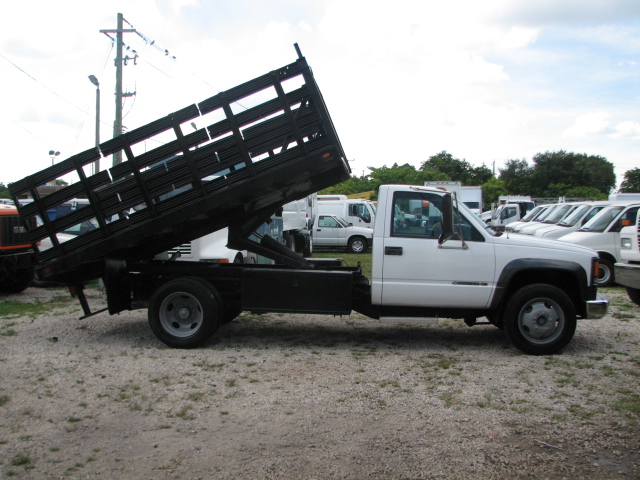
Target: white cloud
{"points": [[588, 124], [627, 130]]}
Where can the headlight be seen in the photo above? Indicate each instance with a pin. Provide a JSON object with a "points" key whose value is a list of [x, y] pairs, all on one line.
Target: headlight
{"points": [[625, 242]]}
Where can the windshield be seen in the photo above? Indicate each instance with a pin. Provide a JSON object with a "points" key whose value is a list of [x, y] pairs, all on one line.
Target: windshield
{"points": [[558, 213], [573, 218], [342, 221], [496, 213], [544, 215], [602, 220], [532, 214]]}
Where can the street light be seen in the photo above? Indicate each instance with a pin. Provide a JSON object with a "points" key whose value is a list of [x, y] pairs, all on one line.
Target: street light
{"points": [[53, 154], [94, 80]]}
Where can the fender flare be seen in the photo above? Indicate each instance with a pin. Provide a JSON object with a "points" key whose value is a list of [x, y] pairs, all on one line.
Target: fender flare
{"points": [[537, 264]]}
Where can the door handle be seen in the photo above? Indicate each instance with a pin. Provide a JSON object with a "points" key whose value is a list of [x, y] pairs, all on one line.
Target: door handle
{"points": [[393, 250]]}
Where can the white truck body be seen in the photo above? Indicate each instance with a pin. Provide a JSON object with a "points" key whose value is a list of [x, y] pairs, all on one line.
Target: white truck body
{"points": [[602, 234], [624, 197], [627, 271], [470, 195], [356, 211]]}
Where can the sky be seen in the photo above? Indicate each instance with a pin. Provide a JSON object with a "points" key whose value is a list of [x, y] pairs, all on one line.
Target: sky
{"points": [[485, 81]]}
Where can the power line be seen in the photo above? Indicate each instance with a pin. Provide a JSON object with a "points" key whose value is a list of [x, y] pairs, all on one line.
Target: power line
{"points": [[44, 86]]}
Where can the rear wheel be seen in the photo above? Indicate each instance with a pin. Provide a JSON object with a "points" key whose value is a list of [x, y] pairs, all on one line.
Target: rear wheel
{"points": [[308, 248], [605, 273], [540, 319], [184, 312]]}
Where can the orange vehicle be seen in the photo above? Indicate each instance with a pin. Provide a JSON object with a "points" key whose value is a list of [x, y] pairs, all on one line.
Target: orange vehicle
{"points": [[16, 253]]}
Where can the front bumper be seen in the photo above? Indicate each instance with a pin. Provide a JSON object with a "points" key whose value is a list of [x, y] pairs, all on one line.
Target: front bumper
{"points": [[627, 274], [597, 308]]}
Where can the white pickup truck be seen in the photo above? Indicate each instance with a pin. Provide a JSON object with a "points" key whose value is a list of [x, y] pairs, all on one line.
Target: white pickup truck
{"points": [[333, 231], [628, 270]]}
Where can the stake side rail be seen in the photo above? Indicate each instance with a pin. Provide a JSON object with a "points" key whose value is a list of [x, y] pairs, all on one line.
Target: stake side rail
{"points": [[263, 143]]}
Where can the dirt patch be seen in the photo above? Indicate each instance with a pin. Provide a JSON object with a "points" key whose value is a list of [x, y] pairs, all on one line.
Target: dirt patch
{"points": [[312, 397]]}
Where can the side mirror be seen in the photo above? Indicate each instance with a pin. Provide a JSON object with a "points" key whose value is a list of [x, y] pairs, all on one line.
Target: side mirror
{"points": [[447, 219]]}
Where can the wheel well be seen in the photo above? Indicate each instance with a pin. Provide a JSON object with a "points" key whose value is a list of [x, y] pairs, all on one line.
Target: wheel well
{"points": [[562, 279], [607, 256]]}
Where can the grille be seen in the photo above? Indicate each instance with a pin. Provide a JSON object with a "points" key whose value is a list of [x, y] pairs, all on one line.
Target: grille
{"points": [[12, 231], [184, 249]]}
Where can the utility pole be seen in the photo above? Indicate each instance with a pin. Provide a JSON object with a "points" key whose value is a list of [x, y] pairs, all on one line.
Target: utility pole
{"points": [[117, 124]]}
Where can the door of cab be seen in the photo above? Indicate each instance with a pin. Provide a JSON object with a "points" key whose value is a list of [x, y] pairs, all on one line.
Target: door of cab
{"points": [[416, 272]]}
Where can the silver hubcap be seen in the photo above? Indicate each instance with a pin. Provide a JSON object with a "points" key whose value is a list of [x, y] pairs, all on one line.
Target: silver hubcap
{"points": [[541, 320], [181, 314], [603, 274]]}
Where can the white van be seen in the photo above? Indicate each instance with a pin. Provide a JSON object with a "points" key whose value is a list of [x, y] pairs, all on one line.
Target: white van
{"points": [[602, 234], [572, 222], [356, 211]]}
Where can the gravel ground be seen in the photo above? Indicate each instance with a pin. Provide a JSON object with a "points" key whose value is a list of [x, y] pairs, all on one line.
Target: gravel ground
{"points": [[311, 397]]}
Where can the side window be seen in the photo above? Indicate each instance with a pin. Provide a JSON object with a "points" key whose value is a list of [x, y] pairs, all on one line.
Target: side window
{"points": [[363, 213], [328, 222], [628, 218], [419, 214], [508, 212]]}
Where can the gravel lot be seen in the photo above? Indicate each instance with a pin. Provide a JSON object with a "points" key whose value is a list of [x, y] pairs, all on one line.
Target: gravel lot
{"points": [[311, 397]]}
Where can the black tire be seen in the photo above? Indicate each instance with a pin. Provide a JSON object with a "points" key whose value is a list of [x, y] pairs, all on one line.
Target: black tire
{"points": [[308, 248], [539, 319], [185, 312], [357, 245], [634, 295], [17, 280], [606, 276], [289, 241]]}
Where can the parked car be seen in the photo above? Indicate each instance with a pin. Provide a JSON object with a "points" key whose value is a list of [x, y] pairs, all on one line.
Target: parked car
{"points": [[334, 231]]}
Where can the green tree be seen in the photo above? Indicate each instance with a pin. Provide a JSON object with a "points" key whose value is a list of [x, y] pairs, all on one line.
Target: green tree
{"points": [[453, 168], [517, 177], [571, 169], [631, 182], [395, 175], [491, 190], [4, 191], [591, 193]]}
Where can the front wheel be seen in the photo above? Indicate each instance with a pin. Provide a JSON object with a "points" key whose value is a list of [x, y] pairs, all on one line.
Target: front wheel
{"points": [[634, 295], [357, 245], [605, 273], [540, 319], [184, 313]]}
